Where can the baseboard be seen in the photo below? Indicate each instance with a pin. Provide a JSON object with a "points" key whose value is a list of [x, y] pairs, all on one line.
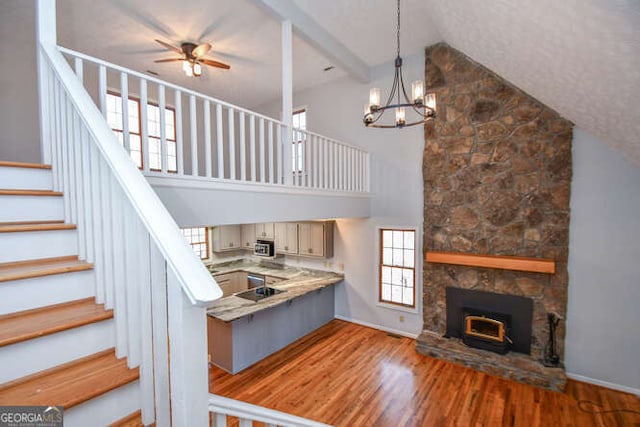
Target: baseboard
{"points": [[374, 326], [605, 384]]}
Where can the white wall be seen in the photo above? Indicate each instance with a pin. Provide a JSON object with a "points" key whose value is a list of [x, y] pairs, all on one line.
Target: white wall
{"points": [[19, 121], [602, 342], [336, 110]]}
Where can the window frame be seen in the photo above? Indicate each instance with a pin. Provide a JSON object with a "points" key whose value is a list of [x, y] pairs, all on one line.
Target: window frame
{"points": [[206, 242], [139, 134], [415, 308]]}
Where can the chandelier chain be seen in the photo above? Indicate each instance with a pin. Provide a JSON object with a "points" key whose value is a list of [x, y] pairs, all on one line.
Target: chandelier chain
{"points": [[398, 30]]}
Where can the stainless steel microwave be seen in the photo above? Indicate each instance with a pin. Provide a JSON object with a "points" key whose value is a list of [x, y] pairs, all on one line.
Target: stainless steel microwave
{"points": [[265, 248]]}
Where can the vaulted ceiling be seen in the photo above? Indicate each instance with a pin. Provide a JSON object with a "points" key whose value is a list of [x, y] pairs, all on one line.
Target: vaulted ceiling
{"points": [[580, 57]]}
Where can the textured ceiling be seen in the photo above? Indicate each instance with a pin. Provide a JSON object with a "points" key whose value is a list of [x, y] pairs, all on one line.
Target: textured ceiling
{"points": [[580, 57]]}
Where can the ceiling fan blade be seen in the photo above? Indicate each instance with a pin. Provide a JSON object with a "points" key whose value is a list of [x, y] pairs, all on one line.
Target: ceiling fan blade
{"points": [[168, 46], [201, 50], [169, 60], [213, 63]]}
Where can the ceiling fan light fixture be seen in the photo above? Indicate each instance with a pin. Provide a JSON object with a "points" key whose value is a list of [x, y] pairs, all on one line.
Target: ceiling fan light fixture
{"points": [[186, 67], [197, 69], [421, 107]]}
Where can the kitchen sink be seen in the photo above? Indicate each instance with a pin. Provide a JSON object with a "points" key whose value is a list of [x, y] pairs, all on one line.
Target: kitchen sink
{"points": [[257, 294]]}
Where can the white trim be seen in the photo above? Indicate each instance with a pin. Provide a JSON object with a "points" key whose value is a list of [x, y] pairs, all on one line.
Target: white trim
{"points": [[156, 179], [378, 327], [395, 307], [605, 384]]}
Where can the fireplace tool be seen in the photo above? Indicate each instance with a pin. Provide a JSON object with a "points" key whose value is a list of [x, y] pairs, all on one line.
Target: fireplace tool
{"points": [[551, 358]]}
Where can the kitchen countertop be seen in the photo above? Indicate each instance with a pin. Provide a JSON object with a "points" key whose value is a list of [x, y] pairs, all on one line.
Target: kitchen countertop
{"points": [[295, 281]]}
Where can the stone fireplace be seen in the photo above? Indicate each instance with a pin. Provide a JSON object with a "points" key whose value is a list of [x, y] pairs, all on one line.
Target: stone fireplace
{"points": [[497, 176]]}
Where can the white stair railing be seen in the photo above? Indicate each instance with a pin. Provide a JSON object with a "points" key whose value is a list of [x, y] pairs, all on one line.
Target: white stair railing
{"points": [[246, 414], [145, 270], [217, 141]]}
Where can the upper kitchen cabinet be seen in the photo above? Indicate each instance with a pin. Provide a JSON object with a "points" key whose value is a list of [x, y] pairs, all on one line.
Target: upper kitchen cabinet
{"points": [[265, 230], [248, 236], [315, 239], [286, 238], [226, 238]]}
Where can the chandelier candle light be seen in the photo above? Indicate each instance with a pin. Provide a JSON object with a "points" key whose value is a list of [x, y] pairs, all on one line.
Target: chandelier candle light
{"points": [[423, 106]]}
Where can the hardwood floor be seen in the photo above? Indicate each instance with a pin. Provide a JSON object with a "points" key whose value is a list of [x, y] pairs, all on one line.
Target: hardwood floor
{"points": [[348, 375]]}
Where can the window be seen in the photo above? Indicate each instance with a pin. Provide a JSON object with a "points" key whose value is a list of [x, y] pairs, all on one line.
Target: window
{"points": [[297, 152], [397, 267], [198, 238], [114, 118]]}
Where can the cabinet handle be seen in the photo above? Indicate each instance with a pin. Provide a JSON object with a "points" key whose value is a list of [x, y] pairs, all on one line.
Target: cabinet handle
{"points": [[310, 250], [286, 248], [230, 244]]}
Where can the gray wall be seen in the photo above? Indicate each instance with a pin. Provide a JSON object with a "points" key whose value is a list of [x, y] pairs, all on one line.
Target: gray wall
{"points": [[602, 342], [19, 121]]}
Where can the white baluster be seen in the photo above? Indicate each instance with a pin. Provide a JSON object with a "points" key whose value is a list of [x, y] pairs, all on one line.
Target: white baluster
{"points": [[219, 141], [132, 293], [107, 233], [97, 215], [124, 98], [146, 325], [79, 188], [144, 127], [232, 144], [262, 148], [243, 146], [193, 130], [271, 177], [279, 177], [179, 142], [163, 130], [87, 184], [119, 273], [77, 63], [207, 139], [252, 145], [102, 89]]}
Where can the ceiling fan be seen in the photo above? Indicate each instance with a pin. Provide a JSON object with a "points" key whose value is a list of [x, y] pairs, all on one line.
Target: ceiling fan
{"points": [[191, 57]]}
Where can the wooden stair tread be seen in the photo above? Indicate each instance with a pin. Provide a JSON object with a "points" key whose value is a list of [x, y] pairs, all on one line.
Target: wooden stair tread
{"points": [[41, 267], [34, 226], [10, 192], [132, 420], [28, 324], [70, 384], [9, 164]]}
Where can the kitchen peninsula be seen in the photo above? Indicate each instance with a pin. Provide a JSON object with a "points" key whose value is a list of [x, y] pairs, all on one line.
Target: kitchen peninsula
{"points": [[241, 331]]}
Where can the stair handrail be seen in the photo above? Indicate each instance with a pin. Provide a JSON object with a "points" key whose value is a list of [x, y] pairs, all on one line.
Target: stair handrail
{"points": [[196, 282], [223, 406]]}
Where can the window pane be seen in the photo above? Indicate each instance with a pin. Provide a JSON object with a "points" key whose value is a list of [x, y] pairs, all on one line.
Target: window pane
{"points": [[387, 256], [396, 294], [407, 278], [398, 257], [197, 238], [386, 274], [407, 296], [133, 116], [386, 292], [409, 258], [386, 238], [398, 237], [409, 239], [396, 276]]}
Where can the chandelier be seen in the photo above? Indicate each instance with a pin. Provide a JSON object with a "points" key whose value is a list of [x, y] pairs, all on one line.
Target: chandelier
{"points": [[421, 107]]}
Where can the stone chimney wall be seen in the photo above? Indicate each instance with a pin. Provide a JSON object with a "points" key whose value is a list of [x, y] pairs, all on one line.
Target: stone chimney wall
{"points": [[497, 180]]}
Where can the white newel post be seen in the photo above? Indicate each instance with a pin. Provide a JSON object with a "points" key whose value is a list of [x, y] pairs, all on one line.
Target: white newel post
{"points": [[46, 36], [287, 101], [189, 375]]}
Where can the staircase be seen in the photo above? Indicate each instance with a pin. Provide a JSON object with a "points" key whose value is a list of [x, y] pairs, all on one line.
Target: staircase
{"points": [[57, 343]]}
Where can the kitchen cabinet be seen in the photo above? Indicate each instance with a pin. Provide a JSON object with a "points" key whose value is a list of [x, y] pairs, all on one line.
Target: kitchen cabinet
{"points": [[226, 238], [315, 239], [236, 345], [265, 230], [231, 283], [286, 238], [248, 236]]}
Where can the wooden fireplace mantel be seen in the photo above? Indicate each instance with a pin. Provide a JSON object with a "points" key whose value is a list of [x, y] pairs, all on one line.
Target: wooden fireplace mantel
{"points": [[535, 265]]}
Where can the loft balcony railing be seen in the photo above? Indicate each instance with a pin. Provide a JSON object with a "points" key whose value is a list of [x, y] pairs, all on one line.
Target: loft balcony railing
{"points": [[180, 133]]}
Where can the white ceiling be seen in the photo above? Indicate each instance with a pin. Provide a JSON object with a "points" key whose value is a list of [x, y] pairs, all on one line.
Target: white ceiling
{"points": [[580, 57]]}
